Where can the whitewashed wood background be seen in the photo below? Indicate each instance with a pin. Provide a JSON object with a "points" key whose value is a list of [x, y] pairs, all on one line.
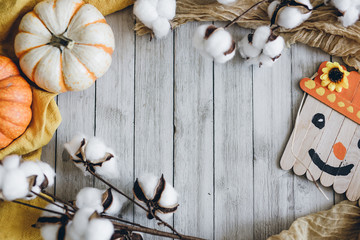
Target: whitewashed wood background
{"points": [[217, 132]]}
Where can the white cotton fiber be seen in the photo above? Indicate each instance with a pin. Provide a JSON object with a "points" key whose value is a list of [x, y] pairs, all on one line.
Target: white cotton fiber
{"points": [[2, 175], [73, 146], [198, 40], [109, 169], [48, 171], [275, 47], [95, 149], [146, 12], [271, 8], [15, 185], [99, 229], [32, 168], [166, 8], [49, 231], [343, 5], [350, 17], [90, 198], [222, 58], [261, 36], [306, 2], [291, 17], [246, 49], [169, 197], [80, 223], [11, 161], [161, 27], [265, 61], [226, 2], [148, 183], [117, 204], [218, 42]]}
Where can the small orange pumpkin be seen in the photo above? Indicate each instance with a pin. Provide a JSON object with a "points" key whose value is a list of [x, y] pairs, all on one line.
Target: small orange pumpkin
{"points": [[15, 102]]}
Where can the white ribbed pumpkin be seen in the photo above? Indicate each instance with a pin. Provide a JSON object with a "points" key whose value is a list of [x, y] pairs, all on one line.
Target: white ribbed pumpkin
{"points": [[64, 45]]}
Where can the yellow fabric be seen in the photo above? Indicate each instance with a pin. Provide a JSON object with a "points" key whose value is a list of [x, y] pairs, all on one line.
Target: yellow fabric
{"points": [[15, 220], [342, 221]]}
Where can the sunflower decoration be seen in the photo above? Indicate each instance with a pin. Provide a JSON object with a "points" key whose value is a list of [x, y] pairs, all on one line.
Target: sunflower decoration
{"points": [[334, 77]]}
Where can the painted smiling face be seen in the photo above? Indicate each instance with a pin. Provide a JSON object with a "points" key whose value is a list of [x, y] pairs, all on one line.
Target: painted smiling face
{"points": [[325, 143]]}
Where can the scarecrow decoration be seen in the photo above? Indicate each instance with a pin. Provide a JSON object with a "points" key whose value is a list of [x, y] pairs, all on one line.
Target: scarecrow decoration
{"points": [[325, 142]]}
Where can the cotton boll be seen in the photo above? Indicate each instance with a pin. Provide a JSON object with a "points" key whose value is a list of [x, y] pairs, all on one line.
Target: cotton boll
{"points": [[95, 150], [48, 171], [291, 17], [11, 162], [169, 199], [146, 12], [99, 229], [49, 231], [342, 5], [166, 8], [90, 198], [222, 58], [274, 48], [266, 61], [198, 40], [260, 37], [109, 169], [246, 49], [219, 42], [117, 203], [226, 2], [306, 2], [80, 223], [161, 27], [73, 146], [350, 17], [15, 185], [148, 183], [271, 8], [2, 175], [32, 168]]}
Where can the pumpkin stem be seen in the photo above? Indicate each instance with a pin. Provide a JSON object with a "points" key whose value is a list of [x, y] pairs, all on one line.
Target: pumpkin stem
{"points": [[58, 41]]}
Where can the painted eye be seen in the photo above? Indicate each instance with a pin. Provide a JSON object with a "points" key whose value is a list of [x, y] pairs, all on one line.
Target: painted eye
{"points": [[319, 120]]}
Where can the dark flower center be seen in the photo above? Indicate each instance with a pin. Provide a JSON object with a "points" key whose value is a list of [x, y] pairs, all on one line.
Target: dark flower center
{"points": [[335, 75]]}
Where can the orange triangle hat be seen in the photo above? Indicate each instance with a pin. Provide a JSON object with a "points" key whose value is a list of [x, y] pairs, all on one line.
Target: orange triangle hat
{"points": [[346, 102]]}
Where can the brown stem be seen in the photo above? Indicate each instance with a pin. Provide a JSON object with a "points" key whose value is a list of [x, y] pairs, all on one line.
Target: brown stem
{"points": [[122, 220], [49, 201], [133, 201], [238, 17], [39, 208], [153, 232], [59, 200]]}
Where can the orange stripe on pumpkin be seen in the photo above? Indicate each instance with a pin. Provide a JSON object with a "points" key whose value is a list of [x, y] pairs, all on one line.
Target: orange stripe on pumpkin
{"points": [[22, 53], [37, 16], [97, 21], [77, 8], [106, 49], [62, 80]]}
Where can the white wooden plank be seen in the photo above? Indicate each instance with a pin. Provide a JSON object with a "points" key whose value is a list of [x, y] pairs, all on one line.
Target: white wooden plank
{"points": [[193, 151], [233, 148], [115, 102], [78, 112], [273, 188], [153, 112], [305, 62]]}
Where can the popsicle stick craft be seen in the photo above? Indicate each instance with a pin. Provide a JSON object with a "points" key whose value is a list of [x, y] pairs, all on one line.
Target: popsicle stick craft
{"points": [[325, 142]]}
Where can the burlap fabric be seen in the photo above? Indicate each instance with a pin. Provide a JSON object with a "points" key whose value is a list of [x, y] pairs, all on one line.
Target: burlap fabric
{"points": [[322, 30]]}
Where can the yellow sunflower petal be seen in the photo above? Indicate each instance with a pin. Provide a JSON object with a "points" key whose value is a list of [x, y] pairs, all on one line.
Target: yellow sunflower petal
{"points": [[324, 76], [331, 86], [336, 64], [325, 70], [346, 73], [338, 88], [345, 83], [329, 65], [324, 83]]}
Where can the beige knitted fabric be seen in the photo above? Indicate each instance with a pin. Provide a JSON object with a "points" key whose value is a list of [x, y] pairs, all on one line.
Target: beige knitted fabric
{"points": [[322, 30]]}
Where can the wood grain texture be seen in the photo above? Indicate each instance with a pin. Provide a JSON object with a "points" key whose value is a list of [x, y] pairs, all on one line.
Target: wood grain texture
{"points": [[273, 188], [233, 90], [115, 103], [193, 139], [154, 112], [216, 132], [305, 61]]}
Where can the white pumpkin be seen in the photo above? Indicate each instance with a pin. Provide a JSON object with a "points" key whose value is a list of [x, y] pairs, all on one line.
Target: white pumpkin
{"points": [[64, 45]]}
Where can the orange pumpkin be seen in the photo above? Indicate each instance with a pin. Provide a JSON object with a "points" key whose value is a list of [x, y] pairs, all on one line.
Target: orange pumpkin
{"points": [[15, 102]]}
